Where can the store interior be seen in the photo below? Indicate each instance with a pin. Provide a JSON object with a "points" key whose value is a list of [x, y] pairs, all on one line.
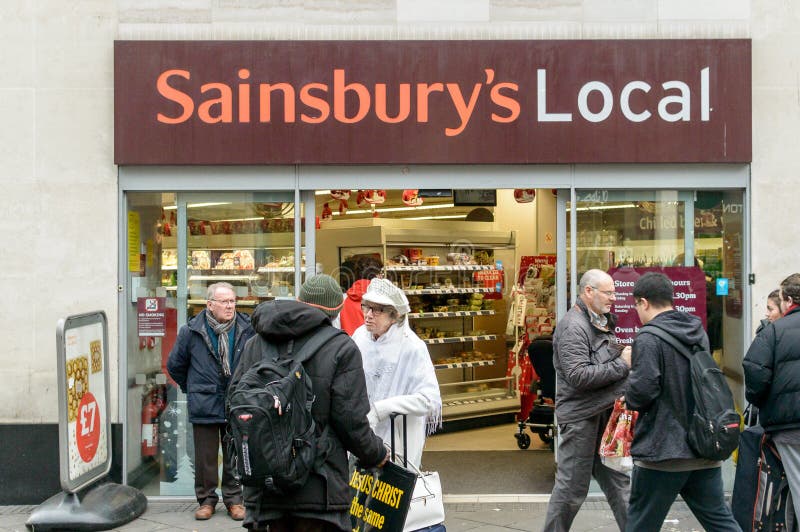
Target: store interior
{"points": [[478, 268]]}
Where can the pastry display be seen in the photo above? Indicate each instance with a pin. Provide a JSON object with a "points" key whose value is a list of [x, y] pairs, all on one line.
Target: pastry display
{"points": [[77, 384], [97, 356], [201, 259]]}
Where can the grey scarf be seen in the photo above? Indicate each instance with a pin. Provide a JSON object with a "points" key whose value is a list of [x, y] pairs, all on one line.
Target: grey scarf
{"points": [[222, 330]]}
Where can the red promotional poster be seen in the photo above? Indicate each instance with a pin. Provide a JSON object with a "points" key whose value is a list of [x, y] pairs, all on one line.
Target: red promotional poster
{"points": [[689, 284], [490, 279], [537, 278], [537, 261]]}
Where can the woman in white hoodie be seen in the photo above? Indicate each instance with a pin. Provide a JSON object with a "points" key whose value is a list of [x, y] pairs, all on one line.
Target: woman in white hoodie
{"points": [[398, 369]]}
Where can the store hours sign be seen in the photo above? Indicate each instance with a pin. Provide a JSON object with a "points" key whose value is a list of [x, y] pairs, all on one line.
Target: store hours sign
{"points": [[689, 294], [84, 424]]}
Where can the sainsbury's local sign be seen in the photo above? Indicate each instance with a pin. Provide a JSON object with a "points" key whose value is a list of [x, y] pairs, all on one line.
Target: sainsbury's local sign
{"points": [[362, 102]]}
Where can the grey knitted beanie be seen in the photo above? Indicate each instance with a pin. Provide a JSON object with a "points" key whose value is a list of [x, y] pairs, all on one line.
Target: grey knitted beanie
{"points": [[323, 292]]}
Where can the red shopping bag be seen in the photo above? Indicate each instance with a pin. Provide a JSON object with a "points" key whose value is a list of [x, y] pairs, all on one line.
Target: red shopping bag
{"points": [[615, 447]]}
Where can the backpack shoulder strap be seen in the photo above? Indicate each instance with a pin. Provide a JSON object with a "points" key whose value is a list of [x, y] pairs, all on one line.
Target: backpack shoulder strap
{"points": [[679, 346], [684, 350], [319, 337]]}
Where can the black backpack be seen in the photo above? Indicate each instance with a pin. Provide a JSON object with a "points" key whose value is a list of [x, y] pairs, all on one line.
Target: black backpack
{"points": [[272, 431], [713, 422]]}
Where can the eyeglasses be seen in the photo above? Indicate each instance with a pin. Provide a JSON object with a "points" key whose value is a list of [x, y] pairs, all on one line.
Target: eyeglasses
{"points": [[609, 293], [225, 302], [378, 309]]}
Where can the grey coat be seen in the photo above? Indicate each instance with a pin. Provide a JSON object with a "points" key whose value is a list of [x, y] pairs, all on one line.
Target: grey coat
{"points": [[590, 374]]}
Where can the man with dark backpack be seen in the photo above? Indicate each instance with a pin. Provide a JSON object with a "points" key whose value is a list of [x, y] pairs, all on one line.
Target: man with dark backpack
{"points": [[663, 387], [297, 403]]}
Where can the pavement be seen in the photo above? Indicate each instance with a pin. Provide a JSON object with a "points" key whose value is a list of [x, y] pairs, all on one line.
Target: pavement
{"points": [[473, 513]]}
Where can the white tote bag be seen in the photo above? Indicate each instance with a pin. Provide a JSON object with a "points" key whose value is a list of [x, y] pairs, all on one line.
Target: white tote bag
{"points": [[427, 506]]}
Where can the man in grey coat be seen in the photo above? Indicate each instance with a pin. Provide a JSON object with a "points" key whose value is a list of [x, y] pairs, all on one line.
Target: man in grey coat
{"points": [[591, 372]]}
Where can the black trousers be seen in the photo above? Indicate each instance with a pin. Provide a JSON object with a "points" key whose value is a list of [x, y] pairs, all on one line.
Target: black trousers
{"points": [[300, 524], [207, 439], [653, 492]]}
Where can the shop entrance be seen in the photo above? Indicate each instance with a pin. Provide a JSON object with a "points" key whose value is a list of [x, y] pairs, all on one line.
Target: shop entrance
{"points": [[463, 258]]}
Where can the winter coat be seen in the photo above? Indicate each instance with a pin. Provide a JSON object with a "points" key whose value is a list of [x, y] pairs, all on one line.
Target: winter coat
{"points": [[352, 317], [590, 374], [660, 388], [195, 366], [340, 402], [772, 373]]}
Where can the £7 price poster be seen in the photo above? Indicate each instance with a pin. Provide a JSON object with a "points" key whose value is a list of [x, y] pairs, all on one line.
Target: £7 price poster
{"points": [[86, 399]]}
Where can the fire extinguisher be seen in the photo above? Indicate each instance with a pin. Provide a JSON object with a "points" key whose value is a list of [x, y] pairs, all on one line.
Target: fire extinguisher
{"points": [[152, 405]]}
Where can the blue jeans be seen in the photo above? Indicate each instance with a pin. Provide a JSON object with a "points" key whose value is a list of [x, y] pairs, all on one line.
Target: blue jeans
{"points": [[653, 492]]}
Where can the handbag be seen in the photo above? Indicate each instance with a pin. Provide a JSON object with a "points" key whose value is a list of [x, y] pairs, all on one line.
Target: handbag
{"points": [[382, 496], [427, 506], [615, 446]]}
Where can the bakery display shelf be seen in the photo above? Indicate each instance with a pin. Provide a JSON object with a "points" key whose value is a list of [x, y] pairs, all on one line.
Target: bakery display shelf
{"points": [[460, 339], [224, 275], [279, 269], [169, 267], [235, 241], [442, 268], [474, 403], [453, 314], [239, 302], [441, 291], [471, 364]]}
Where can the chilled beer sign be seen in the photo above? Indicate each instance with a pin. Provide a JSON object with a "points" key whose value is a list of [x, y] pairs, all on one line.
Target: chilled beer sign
{"points": [[432, 102]]}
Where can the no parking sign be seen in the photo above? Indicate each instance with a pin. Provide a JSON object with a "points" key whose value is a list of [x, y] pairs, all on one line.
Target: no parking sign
{"points": [[84, 423]]}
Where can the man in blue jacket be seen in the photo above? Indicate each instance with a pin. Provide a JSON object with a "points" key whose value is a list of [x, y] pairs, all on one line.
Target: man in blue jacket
{"points": [[659, 388], [772, 382], [202, 361]]}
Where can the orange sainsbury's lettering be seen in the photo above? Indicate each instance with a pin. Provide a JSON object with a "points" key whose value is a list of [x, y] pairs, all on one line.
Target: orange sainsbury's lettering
{"points": [[380, 103], [505, 102], [179, 97], [225, 103], [340, 90], [315, 103], [341, 99], [265, 101]]}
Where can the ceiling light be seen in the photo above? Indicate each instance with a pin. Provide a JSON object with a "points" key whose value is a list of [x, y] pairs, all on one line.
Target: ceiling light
{"points": [[193, 205], [398, 209], [439, 217]]}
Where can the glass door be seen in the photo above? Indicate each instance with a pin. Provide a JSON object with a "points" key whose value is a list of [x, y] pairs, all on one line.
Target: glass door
{"points": [[626, 233], [178, 245], [695, 237]]}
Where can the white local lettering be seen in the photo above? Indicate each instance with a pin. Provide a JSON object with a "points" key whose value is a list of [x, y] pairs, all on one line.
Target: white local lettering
{"points": [[672, 107]]}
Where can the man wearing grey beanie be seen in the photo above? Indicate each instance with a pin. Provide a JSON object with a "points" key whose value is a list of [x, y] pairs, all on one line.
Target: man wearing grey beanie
{"points": [[340, 404]]}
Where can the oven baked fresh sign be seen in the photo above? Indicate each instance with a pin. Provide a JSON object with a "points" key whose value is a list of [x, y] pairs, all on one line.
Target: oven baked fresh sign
{"points": [[432, 102]]}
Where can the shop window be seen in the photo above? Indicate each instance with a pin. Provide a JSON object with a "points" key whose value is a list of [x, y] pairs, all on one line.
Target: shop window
{"points": [[627, 233], [178, 245]]}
